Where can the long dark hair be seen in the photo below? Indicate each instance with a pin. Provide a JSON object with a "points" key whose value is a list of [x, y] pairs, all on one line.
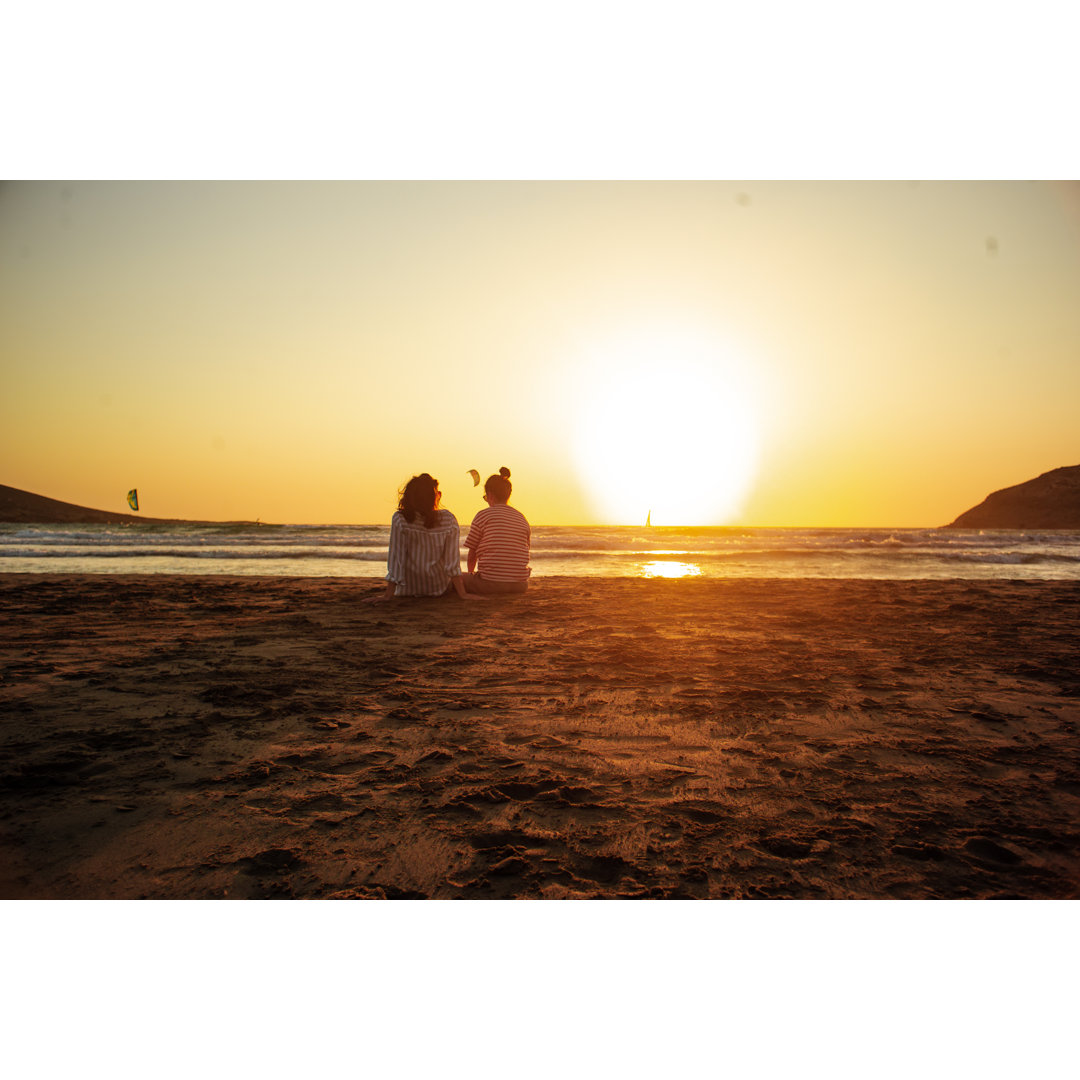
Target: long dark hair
{"points": [[419, 498], [499, 487]]}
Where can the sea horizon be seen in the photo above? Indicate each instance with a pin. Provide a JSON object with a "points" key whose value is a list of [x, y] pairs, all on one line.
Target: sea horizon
{"points": [[724, 551]]}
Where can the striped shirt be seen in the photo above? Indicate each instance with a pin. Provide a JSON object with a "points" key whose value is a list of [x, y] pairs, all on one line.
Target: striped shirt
{"points": [[500, 536], [422, 561]]}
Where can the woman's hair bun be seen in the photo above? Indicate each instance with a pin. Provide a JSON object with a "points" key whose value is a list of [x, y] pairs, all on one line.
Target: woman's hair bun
{"points": [[504, 472]]}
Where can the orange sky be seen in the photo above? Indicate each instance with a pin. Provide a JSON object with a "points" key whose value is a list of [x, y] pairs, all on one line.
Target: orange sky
{"points": [[761, 353]]}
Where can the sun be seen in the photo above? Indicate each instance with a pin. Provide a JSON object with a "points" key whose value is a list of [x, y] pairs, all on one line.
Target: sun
{"points": [[665, 426]]}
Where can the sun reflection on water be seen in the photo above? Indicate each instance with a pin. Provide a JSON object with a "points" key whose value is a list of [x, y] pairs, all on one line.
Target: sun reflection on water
{"points": [[670, 569]]}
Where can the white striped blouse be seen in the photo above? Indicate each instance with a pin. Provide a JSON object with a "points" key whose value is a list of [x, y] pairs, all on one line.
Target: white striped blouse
{"points": [[422, 561]]}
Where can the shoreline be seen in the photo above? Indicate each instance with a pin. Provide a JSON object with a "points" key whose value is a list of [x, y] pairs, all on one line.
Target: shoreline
{"points": [[204, 736]]}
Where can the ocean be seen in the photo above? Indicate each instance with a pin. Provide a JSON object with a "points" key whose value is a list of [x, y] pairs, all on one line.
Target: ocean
{"points": [[360, 551]]}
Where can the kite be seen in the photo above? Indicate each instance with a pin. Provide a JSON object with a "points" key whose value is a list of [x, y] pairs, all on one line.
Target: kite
{"points": [[475, 477], [133, 498]]}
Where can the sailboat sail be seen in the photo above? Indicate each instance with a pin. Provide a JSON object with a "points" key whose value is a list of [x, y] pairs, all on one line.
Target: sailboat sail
{"points": [[648, 520]]}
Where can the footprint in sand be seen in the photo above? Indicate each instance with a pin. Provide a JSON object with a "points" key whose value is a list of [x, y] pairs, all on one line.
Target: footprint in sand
{"points": [[271, 861], [435, 755], [704, 813], [512, 864], [918, 851], [787, 847], [479, 796], [605, 869], [540, 742], [501, 838], [409, 715], [321, 802], [522, 791], [983, 848], [579, 796]]}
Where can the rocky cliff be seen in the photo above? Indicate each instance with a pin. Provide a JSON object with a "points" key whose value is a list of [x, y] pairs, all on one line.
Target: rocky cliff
{"points": [[27, 508], [1050, 501]]}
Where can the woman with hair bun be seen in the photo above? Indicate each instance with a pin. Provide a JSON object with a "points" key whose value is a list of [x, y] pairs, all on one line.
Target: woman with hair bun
{"points": [[498, 543], [425, 556]]}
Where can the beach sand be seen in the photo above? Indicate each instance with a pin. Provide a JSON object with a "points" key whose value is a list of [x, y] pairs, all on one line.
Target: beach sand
{"points": [[183, 737]]}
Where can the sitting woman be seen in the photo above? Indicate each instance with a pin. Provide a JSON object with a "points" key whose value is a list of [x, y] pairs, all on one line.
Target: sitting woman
{"points": [[425, 556], [498, 543]]}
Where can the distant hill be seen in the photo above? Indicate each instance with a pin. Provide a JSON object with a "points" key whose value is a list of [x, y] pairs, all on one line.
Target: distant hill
{"points": [[27, 508], [1050, 501]]}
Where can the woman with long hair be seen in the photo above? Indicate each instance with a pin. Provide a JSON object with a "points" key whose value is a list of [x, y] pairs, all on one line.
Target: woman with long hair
{"points": [[498, 542], [425, 554]]}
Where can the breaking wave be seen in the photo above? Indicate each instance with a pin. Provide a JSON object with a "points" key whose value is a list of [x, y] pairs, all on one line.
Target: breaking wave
{"points": [[360, 550]]}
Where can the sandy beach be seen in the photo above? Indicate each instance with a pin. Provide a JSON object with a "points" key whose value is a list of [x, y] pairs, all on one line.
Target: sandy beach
{"points": [[182, 737]]}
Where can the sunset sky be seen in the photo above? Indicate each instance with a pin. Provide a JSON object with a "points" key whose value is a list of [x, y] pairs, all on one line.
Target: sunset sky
{"points": [[759, 353]]}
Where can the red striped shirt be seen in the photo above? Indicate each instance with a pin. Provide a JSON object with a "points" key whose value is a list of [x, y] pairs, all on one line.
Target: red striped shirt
{"points": [[500, 536]]}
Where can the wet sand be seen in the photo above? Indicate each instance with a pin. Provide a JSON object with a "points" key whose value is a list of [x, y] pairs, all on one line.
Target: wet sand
{"points": [[183, 737]]}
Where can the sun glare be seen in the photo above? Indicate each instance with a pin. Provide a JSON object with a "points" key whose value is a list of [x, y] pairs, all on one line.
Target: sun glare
{"points": [[665, 429], [672, 569]]}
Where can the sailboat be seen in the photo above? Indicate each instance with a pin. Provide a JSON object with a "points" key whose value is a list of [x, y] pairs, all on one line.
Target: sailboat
{"points": [[648, 520]]}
